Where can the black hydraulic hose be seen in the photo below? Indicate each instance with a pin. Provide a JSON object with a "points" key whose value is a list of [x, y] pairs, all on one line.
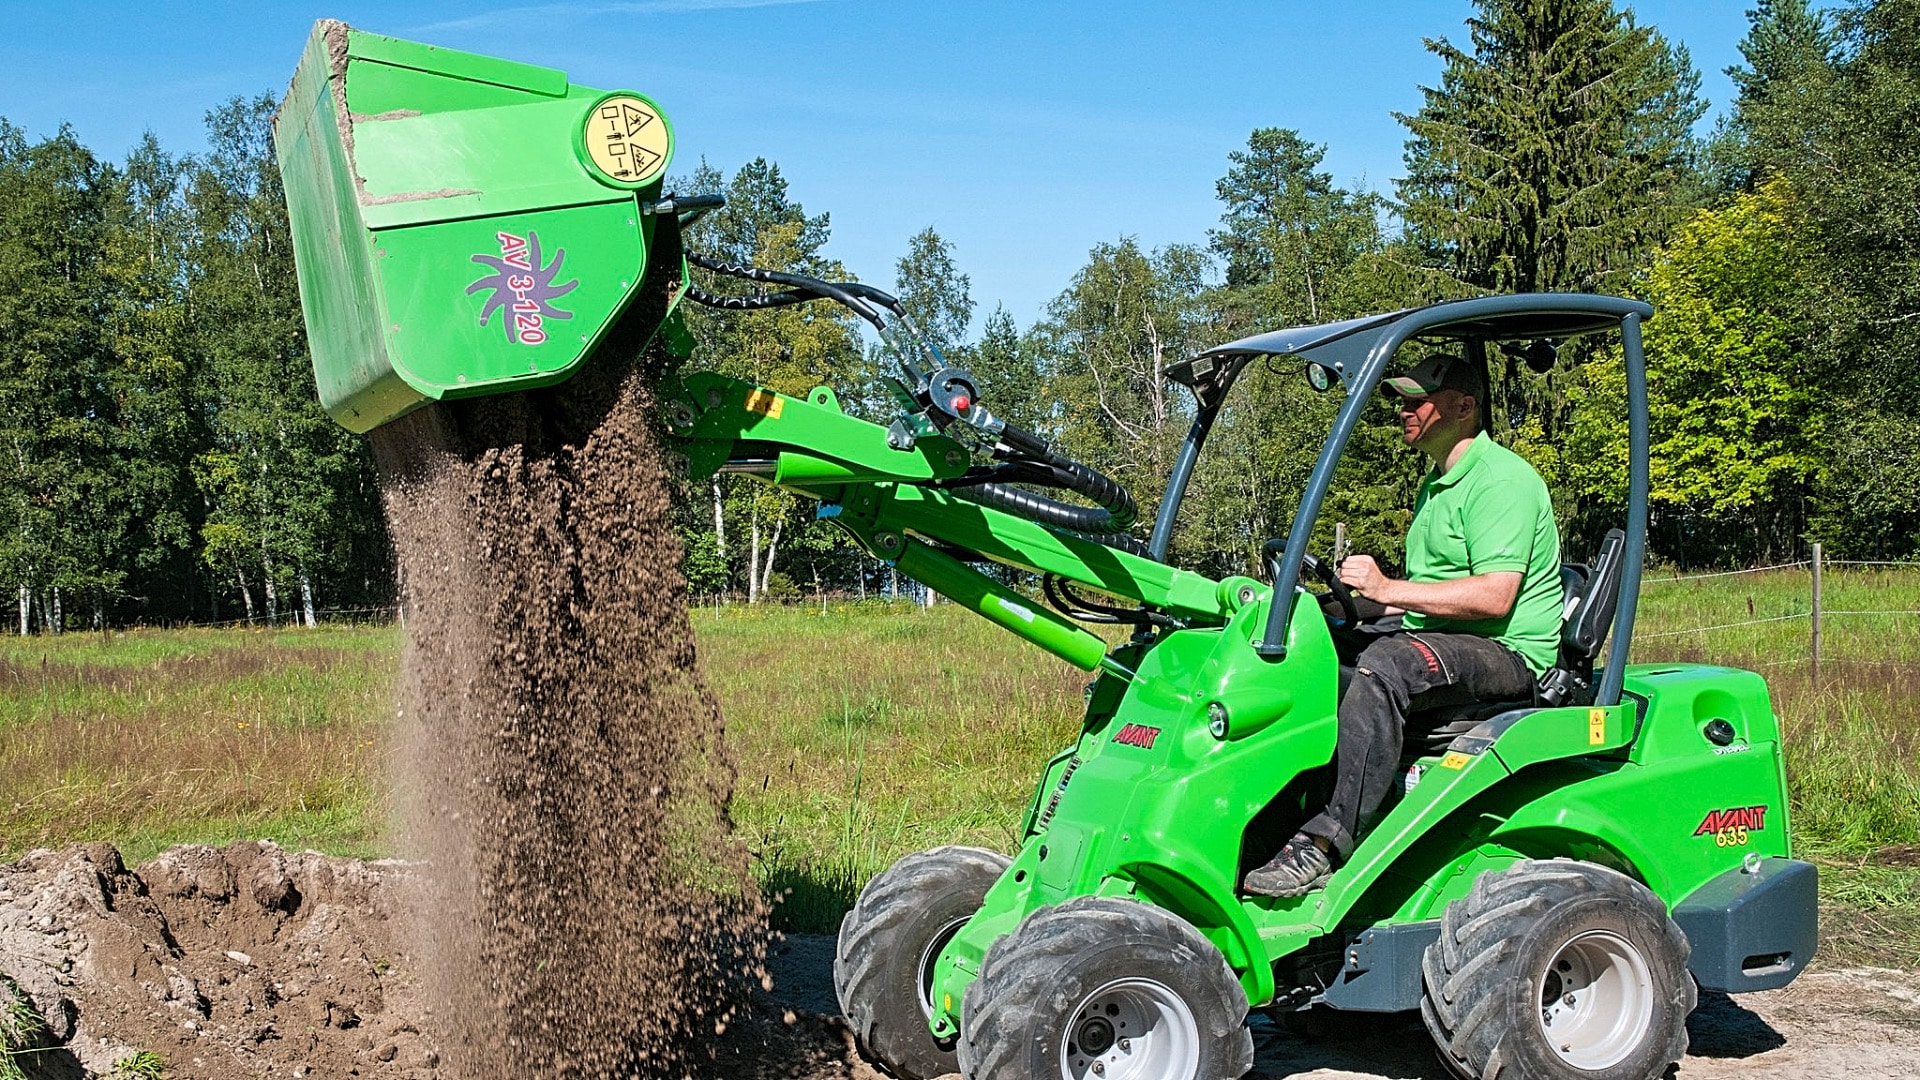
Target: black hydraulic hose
{"points": [[1073, 605], [823, 289], [1050, 512], [746, 303], [1114, 512]]}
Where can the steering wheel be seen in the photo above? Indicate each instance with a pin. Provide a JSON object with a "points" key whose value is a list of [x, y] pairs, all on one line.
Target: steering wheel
{"points": [[1324, 573]]}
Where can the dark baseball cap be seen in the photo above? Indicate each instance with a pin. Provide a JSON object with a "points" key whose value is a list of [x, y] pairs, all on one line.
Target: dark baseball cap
{"points": [[1439, 371]]}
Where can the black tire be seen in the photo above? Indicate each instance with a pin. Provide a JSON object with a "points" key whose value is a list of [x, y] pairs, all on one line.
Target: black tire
{"points": [[888, 942], [1099, 980], [1558, 970]]}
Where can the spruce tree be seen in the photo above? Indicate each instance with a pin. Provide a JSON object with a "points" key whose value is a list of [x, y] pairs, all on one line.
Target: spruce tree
{"points": [[1548, 157], [1786, 73], [1290, 237]]}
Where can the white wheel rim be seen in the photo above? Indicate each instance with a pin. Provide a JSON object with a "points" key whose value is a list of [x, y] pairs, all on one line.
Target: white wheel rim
{"points": [[1596, 1000], [935, 945], [1131, 1029]]}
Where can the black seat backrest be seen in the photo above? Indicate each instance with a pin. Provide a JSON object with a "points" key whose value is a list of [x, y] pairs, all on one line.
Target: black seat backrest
{"points": [[1585, 623]]}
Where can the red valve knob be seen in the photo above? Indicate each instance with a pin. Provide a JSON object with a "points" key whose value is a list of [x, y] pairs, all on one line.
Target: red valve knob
{"points": [[961, 403]]}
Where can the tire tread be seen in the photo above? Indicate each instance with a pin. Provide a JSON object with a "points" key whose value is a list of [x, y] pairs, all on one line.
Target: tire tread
{"points": [[1479, 946]]}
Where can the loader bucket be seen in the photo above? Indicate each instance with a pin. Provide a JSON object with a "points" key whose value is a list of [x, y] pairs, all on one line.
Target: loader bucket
{"points": [[462, 225]]}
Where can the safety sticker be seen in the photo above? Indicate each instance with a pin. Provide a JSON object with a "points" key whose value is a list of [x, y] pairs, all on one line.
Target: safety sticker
{"points": [[523, 287], [1596, 726], [1455, 760], [626, 139], [766, 403]]}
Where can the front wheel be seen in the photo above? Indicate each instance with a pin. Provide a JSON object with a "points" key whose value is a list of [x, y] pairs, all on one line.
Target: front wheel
{"points": [[883, 963], [1558, 970], [1100, 988]]}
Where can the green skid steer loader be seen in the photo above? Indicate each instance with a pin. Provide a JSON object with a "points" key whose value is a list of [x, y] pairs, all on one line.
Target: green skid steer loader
{"points": [[1549, 895]]}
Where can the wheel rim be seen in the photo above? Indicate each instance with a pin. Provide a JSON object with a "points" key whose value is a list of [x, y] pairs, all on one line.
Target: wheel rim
{"points": [[928, 955], [1596, 1000], [1130, 1029]]}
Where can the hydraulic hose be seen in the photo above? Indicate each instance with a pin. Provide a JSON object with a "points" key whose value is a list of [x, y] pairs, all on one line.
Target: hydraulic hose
{"points": [[1030, 460], [1114, 510], [746, 303], [813, 287], [1069, 603]]}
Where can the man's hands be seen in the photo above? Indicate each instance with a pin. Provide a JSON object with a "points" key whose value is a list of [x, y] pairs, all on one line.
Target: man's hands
{"points": [[1362, 575], [1482, 596]]}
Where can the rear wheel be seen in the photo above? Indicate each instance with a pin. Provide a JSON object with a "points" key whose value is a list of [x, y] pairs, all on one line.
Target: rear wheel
{"points": [[1560, 970], [883, 964], [1100, 988]]}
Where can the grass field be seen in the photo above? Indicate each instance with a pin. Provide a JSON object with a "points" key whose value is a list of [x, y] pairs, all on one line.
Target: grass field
{"points": [[867, 732]]}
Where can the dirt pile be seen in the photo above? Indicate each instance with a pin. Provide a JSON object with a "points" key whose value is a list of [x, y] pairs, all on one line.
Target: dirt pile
{"points": [[250, 961], [584, 909], [222, 963]]}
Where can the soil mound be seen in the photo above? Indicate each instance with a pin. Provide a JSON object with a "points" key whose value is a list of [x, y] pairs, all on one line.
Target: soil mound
{"points": [[250, 961], [224, 963]]}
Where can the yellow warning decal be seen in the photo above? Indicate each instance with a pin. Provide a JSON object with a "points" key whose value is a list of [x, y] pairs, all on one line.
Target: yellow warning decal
{"points": [[1596, 726], [626, 139], [1455, 760], [766, 403]]}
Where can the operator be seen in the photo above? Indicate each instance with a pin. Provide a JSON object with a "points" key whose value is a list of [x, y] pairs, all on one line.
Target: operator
{"points": [[1481, 606]]}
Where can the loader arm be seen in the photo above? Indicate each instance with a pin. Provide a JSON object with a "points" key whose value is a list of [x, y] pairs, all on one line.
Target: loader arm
{"points": [[884, 491]]}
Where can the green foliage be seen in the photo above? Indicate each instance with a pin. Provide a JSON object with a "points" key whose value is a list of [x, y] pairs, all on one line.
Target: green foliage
{"points": [[1829, 109], [64, 518], [21, 1029], [1547, 158], [140, 1065], [161, 456], [1103, 350], [1787, 69], [1858, 172], [152, 445], [285, 488], [1291, 240], [934, 291], [1738, 413], [791, 349]]}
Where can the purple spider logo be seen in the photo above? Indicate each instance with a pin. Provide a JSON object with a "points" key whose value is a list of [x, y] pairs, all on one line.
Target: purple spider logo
{"points": [[522, 287]]}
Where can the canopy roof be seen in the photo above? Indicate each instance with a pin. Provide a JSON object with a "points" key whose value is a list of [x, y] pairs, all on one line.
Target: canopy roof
{"points": [[1340, 346]]}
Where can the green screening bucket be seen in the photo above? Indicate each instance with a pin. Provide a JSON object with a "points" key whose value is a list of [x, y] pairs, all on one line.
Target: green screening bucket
{"points": [[462, 225]]}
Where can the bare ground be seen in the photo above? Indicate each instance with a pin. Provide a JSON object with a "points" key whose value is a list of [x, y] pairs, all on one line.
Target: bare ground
{"points": [[250, 961]]}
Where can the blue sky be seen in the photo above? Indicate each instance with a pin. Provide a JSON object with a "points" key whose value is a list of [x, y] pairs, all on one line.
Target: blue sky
{"points": [[1025, 133]]}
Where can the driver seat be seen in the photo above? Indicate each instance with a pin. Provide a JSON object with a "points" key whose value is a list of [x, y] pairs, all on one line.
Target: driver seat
{"points": [[1592, 597]]}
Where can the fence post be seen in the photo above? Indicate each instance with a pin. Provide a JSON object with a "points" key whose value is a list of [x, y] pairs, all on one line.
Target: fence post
{"points": [[1816, 614], [1339, 542]]}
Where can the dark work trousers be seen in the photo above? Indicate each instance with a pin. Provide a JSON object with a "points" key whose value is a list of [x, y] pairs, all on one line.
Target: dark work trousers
{"points": [[1397, 674]]}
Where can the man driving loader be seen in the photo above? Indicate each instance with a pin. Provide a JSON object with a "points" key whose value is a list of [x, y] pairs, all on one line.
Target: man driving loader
{"points": [[1481, 604]]}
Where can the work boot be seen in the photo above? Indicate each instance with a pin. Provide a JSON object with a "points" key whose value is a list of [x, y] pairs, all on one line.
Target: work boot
{"points": [[1300, 868]]}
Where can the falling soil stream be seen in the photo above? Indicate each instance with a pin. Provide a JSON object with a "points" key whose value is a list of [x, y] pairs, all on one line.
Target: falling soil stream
{"points": [[584, 910]]}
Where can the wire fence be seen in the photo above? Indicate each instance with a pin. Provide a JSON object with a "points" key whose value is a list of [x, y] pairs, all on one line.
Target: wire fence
{"points": [[1816, 615]]}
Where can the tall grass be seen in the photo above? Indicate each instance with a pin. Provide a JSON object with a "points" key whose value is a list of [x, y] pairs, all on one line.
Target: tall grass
{"points": [[1851, 733], [866, 731], [874, 730], [153, 738]]}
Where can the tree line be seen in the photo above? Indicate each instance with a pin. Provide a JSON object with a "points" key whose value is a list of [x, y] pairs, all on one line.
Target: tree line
{"points": [[165, 459], [162, 457]]}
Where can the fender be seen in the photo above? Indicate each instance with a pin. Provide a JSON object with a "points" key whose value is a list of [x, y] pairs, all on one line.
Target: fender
{"points": [[1192, 893]]}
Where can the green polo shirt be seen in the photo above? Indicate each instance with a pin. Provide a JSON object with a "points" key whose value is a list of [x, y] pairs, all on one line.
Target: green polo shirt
{"points": [[1488, 513]]}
